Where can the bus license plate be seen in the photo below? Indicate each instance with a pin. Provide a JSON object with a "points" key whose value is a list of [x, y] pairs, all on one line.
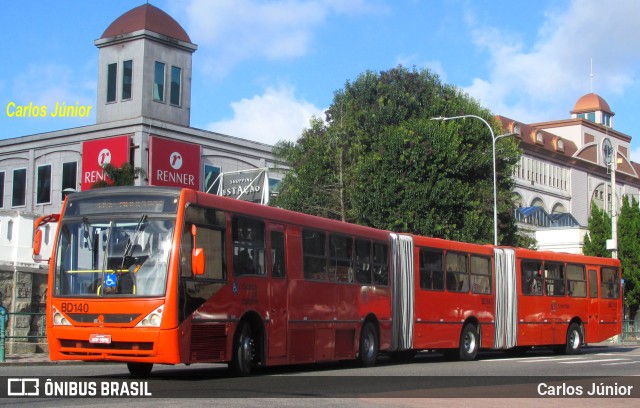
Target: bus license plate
{"points": [[100, 339]]}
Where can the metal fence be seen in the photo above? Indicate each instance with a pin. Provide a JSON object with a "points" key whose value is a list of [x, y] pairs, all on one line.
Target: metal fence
{"points": [[37, 335], [630, 332]]}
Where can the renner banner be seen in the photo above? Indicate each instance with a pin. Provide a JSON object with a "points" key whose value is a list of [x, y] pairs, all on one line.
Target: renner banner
{"points": [[173, 163], [97, 153]]}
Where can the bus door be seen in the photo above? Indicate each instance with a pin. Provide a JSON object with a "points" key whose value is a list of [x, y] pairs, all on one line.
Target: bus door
{"points": [[610, 313], [278, 313], [592, 332]]}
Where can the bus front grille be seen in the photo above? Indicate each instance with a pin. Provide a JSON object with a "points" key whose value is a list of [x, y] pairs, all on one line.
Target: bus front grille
{"points": [[82, 346]]}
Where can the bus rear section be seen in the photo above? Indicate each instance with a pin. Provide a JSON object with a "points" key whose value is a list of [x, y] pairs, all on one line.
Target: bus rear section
{"points": [[567, 300]]}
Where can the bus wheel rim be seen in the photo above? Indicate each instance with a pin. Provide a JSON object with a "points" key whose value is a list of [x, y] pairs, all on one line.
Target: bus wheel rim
{"points": [[247, 352], [368, 345], [574, 339], [469, 342]]}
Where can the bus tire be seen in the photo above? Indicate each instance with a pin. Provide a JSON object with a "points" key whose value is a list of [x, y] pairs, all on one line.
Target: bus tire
{"points": [[244, 351], [469, 342], [139, 370], [574, 339], [368, 348]]}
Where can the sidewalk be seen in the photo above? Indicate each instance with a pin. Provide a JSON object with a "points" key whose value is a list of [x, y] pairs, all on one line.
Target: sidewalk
{"points": [[33, 359]]}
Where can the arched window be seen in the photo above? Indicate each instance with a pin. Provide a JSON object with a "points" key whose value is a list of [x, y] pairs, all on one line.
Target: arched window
{"points": [[537, 202], [558, 209], [517, 200], [598, 196]]}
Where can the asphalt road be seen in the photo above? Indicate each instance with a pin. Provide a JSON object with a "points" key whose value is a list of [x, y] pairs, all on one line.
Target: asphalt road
{"points": [[492, 380]]}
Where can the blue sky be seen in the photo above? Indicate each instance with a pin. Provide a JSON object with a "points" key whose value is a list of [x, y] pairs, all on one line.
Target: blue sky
{"points": [[263, 68]]}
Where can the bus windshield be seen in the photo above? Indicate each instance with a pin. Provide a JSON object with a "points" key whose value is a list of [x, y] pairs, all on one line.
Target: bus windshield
{"points": [[102, 257]]}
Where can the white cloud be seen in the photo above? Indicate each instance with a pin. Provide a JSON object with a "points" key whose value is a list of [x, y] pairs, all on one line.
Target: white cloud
{"points": [[545, 79], [46, 84], [268, 118], [236, 30]]}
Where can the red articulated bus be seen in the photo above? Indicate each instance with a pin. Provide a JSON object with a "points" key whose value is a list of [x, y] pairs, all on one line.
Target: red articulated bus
{"points": [[151, 275]]}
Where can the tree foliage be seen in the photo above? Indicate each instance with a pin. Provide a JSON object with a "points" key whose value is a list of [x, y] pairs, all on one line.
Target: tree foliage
{"points": [[599, 230], [629, 252], [380, 160], [124, 175]]}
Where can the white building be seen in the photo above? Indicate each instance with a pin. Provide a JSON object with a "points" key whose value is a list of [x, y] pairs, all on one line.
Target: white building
{"points": [[564, 169]]}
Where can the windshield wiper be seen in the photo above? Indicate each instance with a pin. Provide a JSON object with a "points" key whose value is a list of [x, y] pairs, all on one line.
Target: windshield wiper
{"points": [[87, 233], [128, 251]]}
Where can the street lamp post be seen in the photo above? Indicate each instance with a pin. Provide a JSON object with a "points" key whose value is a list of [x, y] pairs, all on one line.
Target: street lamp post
{"points": [[494, 138]]}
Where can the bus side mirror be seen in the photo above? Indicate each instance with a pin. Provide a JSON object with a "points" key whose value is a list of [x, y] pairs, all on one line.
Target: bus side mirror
{"points": [[197, 261], [37, 242]]}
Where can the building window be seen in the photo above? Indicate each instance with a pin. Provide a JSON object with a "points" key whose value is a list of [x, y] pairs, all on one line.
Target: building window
{"points": [[127, 79], [43, 183], [112, 73], [539, 138], [1, 189], [19, 194], [211, 181], [158, 82], [176, 78], [69, 181], [606, 119]]}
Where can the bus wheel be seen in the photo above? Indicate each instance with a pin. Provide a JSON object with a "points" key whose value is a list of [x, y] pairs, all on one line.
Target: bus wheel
{"points": [[244, 350], [139, 370], [368, 349], [574, 339], [469, 343]]}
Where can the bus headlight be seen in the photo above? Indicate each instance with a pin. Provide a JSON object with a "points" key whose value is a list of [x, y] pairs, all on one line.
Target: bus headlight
{"points": [[153, 319], [59, 319]]}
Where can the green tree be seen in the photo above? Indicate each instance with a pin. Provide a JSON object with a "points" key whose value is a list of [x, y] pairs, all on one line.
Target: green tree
{"points": [[629, 252], [380, 160], [124, 175], [599, 230]]}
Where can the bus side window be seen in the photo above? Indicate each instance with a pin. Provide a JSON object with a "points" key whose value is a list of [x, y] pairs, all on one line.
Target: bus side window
{"points": [[363, 261], [555, 279], [431, 270], [248, 246], [593, 283], [314, 255], [457, 279], [576, 281], [278, 260], [531, 278], [380, 264], [609, 288], [211, 236], [480, 274]]}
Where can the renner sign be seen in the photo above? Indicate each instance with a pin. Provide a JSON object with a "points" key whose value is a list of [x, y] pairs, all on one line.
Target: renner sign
{"points": [[97, 153], [173, 163]]}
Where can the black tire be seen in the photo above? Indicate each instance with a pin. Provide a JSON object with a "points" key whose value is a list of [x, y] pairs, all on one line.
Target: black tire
{"points": [[574, 339], [369, 345], [139, 370], [469, 343], [244, 351]]}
